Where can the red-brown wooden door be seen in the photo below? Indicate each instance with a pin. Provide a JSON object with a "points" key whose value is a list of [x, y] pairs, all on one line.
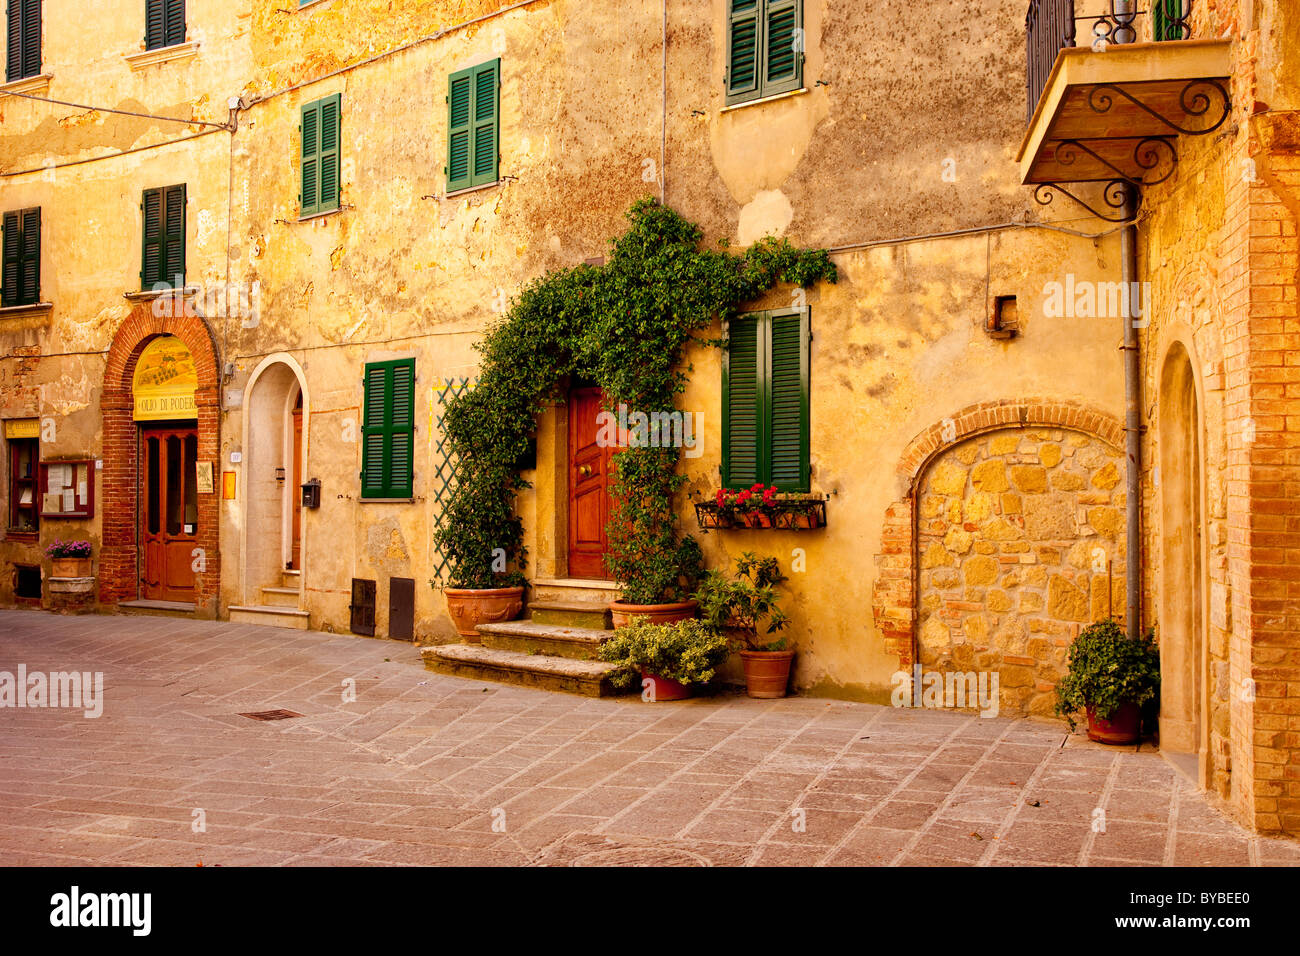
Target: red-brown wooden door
{"points": [[590, 480], [295, 492], [168, 512]]}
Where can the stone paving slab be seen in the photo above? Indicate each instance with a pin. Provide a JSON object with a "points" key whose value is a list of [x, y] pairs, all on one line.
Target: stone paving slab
{"points": [[426, 769]]}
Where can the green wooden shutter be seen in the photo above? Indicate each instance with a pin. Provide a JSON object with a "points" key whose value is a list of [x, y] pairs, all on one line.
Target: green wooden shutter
{"points": [[486, 126], [460, 94], [173, 258], [742, 406], [309, 187], [12, 268], [388, 430], [787, 400], [29, 257], [23, 52], [155, 24], [743, 59], [174, 32], [152, 259], [782, 46], [328, 153]]}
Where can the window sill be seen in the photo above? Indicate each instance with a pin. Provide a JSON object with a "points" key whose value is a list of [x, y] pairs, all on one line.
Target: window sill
{"points": [[32, 85], [26, 537], [32, 308], [470, 189], [150, 295], [766, 99], [165, 54], [387, 501], [309, 5], [322, 215]]}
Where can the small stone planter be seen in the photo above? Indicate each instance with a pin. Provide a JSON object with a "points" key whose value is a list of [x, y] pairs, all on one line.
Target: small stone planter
{"points": [[70, 567]]}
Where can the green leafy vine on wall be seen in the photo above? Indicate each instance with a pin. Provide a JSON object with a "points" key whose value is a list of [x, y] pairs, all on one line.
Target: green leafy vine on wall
{"points": [[622, 324]]}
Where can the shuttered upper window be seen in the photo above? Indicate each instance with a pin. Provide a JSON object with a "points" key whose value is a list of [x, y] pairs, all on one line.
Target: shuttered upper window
{"points": [[21, 279], [473, 126], [163, 262], [24, 41], [388, 433], [764, 48], [319, 190], [164, 23], [765, 401]]}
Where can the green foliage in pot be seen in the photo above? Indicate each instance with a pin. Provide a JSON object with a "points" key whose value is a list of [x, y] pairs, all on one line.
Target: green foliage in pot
{"points": [[1106, 670], [689, 652], [624, 326], [746, 602]]}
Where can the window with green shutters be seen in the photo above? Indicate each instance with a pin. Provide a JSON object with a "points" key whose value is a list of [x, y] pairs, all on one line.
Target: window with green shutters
{"points": [[473, 126], [164, 23], [163, 214], [319, 192], [765, 48], [20, 277], [388, 432], [24, 41], [765, 401]]}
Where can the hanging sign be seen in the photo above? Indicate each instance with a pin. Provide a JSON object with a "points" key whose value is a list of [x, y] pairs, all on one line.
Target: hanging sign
{"points": [[165, 380], [23, 428]]}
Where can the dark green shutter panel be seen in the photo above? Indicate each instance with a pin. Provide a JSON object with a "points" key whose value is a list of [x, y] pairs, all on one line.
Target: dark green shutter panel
{"points": [[12, 268], [174, 31], [309, 194], [28, 265], [485, 124], [151, 268], [742, 404], [155, 24], [328, 154], [459, 129], [173, 264], [23, 51], [401, 448], [788, 401], [782, 46], [374, 432], [743, 50]]}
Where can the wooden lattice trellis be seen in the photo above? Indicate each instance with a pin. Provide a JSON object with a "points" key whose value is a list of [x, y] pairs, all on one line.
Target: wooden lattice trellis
{"points": [[445, 467]]}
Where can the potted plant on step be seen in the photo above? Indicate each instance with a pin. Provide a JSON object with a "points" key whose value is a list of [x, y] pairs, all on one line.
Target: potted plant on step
{"points": [[69, 559], [670, 659], [742, 604], [656, 569], [1109, 678]]}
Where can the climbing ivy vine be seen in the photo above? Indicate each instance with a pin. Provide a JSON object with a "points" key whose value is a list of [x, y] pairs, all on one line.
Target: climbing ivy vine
{"points": [[622, 324]]}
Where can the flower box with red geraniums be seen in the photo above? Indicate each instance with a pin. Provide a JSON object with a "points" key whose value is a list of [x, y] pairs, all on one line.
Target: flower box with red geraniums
{"points": [[761, 506]]}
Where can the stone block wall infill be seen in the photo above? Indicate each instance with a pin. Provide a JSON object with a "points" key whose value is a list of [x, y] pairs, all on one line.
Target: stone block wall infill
{"points": [[1015, 530]]}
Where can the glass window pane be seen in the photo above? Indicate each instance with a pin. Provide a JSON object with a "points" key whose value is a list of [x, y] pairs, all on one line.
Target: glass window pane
{"points": [[152, 482], [191, 483], [175, 487]]}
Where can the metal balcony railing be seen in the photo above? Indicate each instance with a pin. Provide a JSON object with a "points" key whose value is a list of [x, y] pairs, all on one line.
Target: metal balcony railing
{"points": [[1053, 25]]}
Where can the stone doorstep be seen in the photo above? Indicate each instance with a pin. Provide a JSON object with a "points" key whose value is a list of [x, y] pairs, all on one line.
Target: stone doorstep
{"points": [[589, 595], [281, 597], [159, 608], [269, 616], [589, 678], [570, 615], [535, 637]]}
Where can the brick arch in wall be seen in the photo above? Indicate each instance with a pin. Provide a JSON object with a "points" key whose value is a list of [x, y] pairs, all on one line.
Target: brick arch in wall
{"points": [[118, 570], [894, 597]]}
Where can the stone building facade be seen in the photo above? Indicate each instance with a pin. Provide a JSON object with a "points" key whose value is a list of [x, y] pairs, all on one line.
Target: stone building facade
{"points": [[974, 473]]}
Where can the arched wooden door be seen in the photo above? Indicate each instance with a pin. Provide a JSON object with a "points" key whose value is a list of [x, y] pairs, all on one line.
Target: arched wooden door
{"points": [[169, 513]]}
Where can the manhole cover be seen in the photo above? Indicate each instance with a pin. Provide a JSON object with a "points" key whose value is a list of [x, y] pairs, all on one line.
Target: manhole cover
{"points": [[640, 856], [271, 715]]}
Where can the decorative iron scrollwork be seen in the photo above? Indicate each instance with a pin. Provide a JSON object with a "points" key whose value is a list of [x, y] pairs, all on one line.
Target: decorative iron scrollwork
{"points": [[1115, 194], [1197, 98], [1154, 157]]}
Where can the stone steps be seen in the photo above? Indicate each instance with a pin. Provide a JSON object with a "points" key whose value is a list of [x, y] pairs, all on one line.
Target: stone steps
{"points": [[179, 609], [543, 671], [281, 597], [269, 616], [532, 637], [572, 602]]}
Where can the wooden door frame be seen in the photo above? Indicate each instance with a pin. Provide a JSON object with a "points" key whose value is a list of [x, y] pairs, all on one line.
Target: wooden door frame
{"points": [[571, 426], [160, 430]]}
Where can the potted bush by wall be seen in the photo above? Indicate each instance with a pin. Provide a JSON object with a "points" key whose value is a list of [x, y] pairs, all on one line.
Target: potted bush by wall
{"points": [[657, 571], [1109, 678], [69, 559], [742, 604], [670, 659], [481, 589]]}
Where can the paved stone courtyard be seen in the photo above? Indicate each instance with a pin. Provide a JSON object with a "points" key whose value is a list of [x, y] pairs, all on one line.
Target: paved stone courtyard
{"points": [[426, 769]]}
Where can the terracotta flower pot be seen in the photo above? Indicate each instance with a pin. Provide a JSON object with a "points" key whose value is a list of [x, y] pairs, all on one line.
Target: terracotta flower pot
{"points": [[623, 614], [1123, 727], [767, 673], [471, 607], [663, 688], [70, 567]]}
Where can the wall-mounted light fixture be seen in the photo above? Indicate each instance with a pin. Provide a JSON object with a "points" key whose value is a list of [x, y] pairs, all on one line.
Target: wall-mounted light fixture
{"points": [[279, 476]]}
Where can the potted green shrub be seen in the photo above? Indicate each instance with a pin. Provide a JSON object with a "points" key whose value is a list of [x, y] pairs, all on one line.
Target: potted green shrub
{"points": [[1109, 678], [671, 659], [69, 559], [743, 604]]}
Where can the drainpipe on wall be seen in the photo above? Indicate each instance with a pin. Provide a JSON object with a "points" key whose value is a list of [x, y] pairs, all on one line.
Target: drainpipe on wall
{"points": [[1132, 422]]}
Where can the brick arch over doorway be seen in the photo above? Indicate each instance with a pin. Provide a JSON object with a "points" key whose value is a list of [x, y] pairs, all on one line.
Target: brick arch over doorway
{"points": [[118, 569], [894, 598]]}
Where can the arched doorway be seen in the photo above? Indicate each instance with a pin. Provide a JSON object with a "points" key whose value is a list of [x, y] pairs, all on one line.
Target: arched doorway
{"points": [[1182, 568], [275, 409]]}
